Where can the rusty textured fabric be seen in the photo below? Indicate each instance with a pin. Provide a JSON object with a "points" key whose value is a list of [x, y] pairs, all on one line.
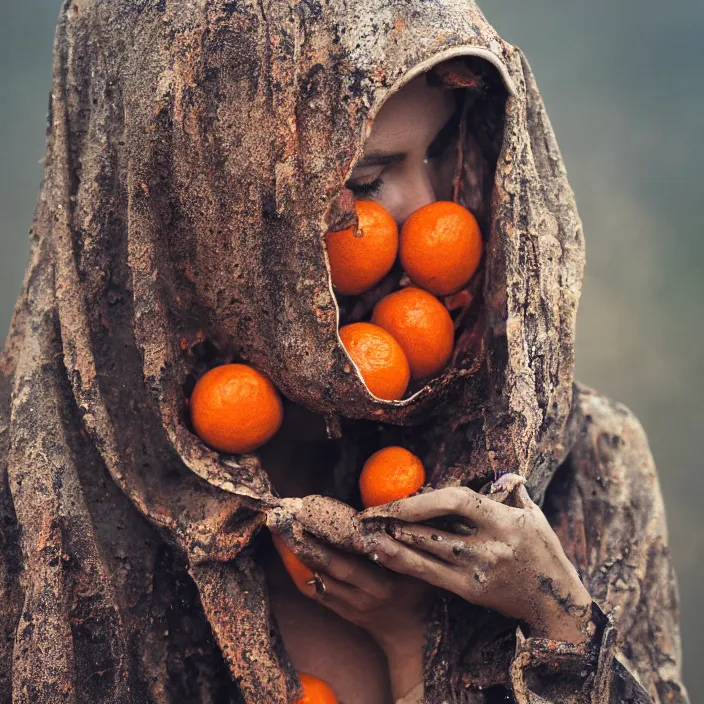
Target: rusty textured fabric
{"points": [[197, 153]]}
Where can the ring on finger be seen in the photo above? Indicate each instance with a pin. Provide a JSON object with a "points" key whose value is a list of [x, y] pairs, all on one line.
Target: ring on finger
{"points": [[319, 583]]}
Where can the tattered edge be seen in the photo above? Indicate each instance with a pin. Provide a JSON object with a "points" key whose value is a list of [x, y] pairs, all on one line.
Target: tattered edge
{"points": [[422, 67]]}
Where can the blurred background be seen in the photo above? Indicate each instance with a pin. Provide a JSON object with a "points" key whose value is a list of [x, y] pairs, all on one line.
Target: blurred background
{"points": [[623, 86]]}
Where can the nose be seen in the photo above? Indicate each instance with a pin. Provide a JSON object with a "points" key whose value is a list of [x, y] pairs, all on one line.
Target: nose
{"points": [[417, 191]]}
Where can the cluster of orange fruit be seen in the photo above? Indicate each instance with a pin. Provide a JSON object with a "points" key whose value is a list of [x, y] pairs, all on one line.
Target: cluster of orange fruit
{"points": [[411, 333], [236, 409]]}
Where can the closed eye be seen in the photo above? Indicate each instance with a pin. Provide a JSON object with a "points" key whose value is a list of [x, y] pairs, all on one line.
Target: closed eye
{"points": [[366, 189], [443, 139]]}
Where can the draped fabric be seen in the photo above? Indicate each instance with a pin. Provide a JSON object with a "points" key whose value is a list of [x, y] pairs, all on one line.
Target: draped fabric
{"points": [[197, 152]]}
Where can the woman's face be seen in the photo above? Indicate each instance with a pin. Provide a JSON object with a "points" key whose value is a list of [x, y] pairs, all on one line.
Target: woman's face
{"points": [[409, 157]]}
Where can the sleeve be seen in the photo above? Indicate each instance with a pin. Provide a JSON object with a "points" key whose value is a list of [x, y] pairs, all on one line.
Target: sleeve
{"points": [[606, 507]]}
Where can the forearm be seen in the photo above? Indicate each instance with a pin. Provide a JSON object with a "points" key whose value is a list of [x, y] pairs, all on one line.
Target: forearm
{"points": [[566, 613]]}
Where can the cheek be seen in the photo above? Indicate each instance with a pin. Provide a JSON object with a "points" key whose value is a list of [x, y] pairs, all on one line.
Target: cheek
{"points": [[409, 191], [393, 197], [406, 190]]}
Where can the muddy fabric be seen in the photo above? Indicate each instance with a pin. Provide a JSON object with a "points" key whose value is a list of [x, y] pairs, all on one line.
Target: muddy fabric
{"points": [[197, 154]]}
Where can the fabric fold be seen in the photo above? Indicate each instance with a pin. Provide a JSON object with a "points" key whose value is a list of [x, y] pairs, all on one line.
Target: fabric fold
{"points": [[197, 153]]}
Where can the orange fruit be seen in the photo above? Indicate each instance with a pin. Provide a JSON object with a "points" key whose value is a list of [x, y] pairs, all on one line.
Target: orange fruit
{"points": [[380, 359], [361, 258], [421, 325], [300, 574], [234, 408], [441, 247], [315, 690], [390, 474]]}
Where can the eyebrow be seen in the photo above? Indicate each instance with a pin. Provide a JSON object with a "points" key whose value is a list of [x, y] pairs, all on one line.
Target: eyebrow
{"points": [[380, 160], [387, 159]]}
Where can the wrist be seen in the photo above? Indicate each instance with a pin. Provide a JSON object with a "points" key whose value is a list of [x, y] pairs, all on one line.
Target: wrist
{"points": [[565, 618], [568, 628], [399, 643]]}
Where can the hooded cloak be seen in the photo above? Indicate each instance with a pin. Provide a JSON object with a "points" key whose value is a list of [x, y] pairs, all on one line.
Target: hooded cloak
{"points": [[197, 153]]}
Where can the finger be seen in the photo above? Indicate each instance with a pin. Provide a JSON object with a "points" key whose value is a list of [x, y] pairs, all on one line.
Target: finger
{"points": [[341, 604], [508, 482], [453, 549], [337, 595], [522, 498], [509, 489], [404, 560], [358, 573], [301, 544], [351, 570], [345, 600], [307, 571], [457, 501]]}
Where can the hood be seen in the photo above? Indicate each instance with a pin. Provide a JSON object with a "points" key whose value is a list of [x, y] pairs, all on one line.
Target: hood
{"points": [[197, 154], [203, 150]]}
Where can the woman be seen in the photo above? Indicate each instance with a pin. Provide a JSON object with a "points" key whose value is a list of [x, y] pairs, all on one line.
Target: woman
{"points": [[197, 154]]}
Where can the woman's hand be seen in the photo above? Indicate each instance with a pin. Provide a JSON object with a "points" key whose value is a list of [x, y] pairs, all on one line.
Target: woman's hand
{"points": [[392, 608], [389, 606], [511, 561]]}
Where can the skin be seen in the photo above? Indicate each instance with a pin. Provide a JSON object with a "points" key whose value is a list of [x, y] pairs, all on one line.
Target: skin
{"points": [[406, 153], [510, 560]]}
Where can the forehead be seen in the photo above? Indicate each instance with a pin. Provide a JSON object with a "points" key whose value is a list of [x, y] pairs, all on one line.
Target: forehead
{"points": [[414, 113]]}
